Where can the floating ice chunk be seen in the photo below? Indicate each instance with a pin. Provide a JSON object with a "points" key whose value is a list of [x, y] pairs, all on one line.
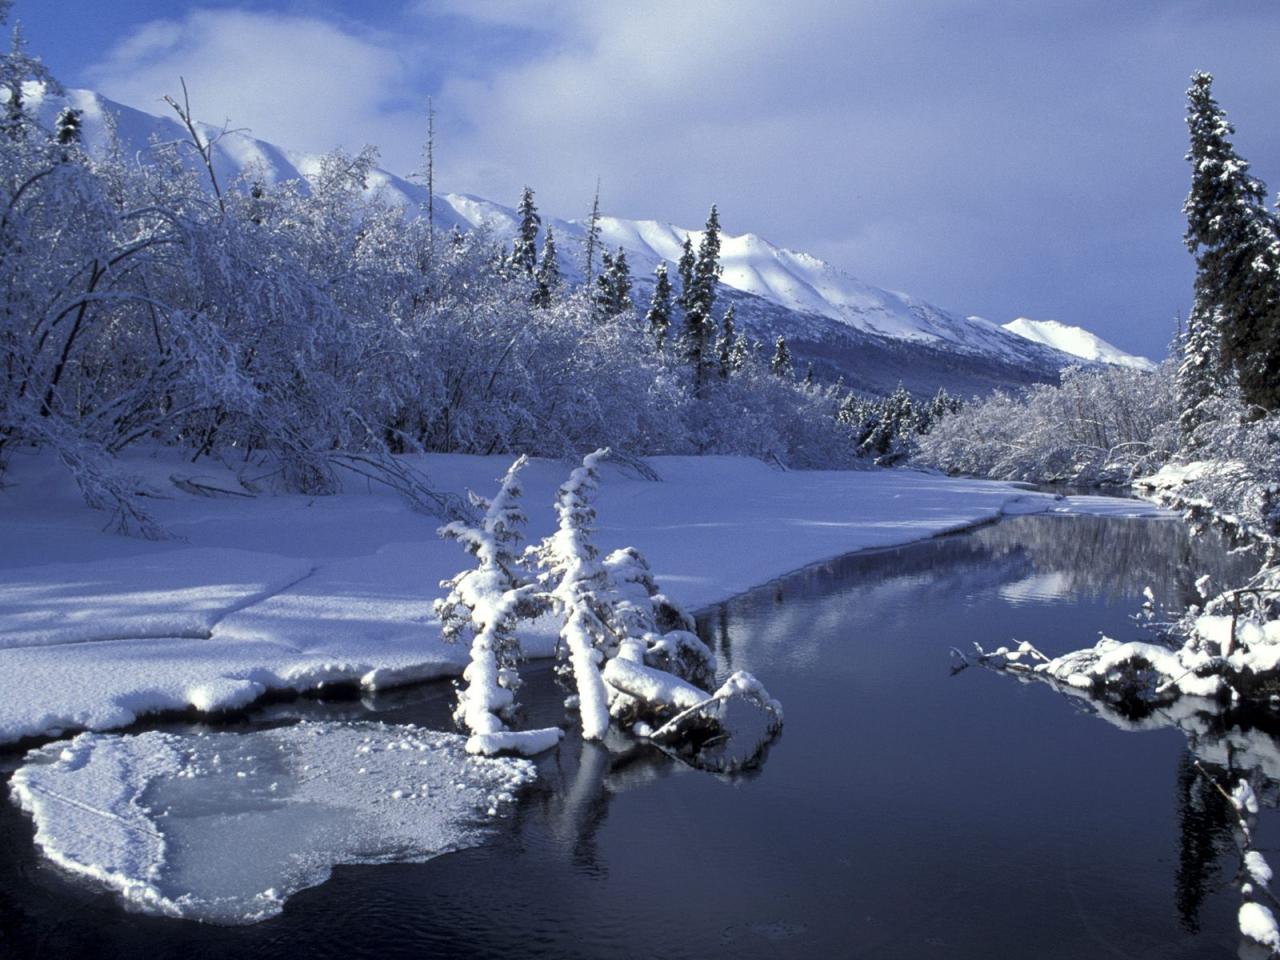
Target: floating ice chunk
{"points": [[224, 827]]}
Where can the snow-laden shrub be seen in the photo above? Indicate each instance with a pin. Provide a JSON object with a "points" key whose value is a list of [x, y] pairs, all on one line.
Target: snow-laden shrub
{"points": [[628, 651], [1230, 471], [1099, 425], [484, 606]]}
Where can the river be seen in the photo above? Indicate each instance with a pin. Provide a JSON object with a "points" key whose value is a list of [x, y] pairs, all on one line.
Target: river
{"points": [[905, 810]]}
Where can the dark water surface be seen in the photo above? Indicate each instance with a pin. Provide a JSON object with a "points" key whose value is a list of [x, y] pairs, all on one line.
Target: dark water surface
{"points": [[904, 812]]}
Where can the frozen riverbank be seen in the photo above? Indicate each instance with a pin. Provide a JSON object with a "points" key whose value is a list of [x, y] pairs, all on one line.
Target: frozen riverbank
{"points": [[289, 592]]}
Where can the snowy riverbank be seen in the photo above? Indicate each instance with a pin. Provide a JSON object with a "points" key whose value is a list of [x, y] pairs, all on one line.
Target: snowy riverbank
{"points": [[291, 592]]}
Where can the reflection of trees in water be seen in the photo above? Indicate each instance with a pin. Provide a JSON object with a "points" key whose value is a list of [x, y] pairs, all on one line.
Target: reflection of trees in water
{"points": [[1204, 833], [1086, 557], [1110, 558], [1228, 744], [570, 799]]}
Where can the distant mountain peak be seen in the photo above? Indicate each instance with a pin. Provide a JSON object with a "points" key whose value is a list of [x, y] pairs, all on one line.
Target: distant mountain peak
{"points": [[1076, 341], [873, 337]]}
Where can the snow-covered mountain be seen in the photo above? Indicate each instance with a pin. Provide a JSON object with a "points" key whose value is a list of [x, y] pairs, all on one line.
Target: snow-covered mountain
{"points": [[872, 337], [1076, 341]]}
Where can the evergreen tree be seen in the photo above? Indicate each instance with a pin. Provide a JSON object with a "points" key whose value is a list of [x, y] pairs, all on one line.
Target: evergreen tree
{"points": [[17, 68], [741, 353], [524, 253], [781, 362], [728, 340], [548, 273], [850, 411], [1200, 373], [67, 127], [699, 298], [1237, 247], [941, 405], [658, 316], [592, 238], [621, 282], [808, 375], [613, 286], [684, 270]]}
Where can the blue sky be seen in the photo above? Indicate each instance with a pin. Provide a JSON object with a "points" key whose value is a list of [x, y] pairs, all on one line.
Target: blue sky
{"points": [[998, 157]]}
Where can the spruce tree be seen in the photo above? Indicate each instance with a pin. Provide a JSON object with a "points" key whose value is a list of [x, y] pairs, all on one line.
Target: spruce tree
{"points": [[1200, 373], [698, 299], [621, 282], [603, 295], [781, 362], [728, 339], [613, 286], [524, 253], [16, 69], [548, 273], [591, 239], [1237, 247], [684, 270], [67, 127], [658, 316], [741, 353]]}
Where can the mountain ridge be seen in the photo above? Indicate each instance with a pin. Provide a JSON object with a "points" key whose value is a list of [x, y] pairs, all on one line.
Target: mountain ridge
{"points": [[844, 326]]}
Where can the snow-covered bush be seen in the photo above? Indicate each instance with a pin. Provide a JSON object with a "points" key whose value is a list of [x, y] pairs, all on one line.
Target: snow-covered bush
{"points": [[484, 606], [1099, 425], [628, 650], [1230, 471]]}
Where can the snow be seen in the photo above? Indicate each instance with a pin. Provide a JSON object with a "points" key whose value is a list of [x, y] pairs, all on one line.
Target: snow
{"points": [[653, 686], [295, 592], [1076, 341], [1257, 867], [1258, 923], [794, 280], [527, 743], [223, 827]]}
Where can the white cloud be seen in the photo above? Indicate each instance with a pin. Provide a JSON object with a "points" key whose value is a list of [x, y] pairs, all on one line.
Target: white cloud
{"points": [[299, 82]]}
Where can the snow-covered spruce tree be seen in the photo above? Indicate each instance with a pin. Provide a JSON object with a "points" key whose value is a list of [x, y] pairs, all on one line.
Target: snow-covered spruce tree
{"points": [[483, 607], [572, 576], [726, 344], [740, 353], [658, 316], [524, 251], [632, 653], [67, 127], [1199, 378], [613, 286], [547, 278], [699, 300], [1237, 247], [18, 68], [780, 364], [591, 238]]}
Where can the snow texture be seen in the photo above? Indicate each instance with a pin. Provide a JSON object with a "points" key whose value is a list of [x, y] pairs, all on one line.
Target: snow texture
{"points": [[223, 827], [1258, 923], [232, 620], [1076, 341]]}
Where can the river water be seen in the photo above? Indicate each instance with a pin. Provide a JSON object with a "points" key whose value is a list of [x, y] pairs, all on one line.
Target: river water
{"points": [[905, 811]]}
